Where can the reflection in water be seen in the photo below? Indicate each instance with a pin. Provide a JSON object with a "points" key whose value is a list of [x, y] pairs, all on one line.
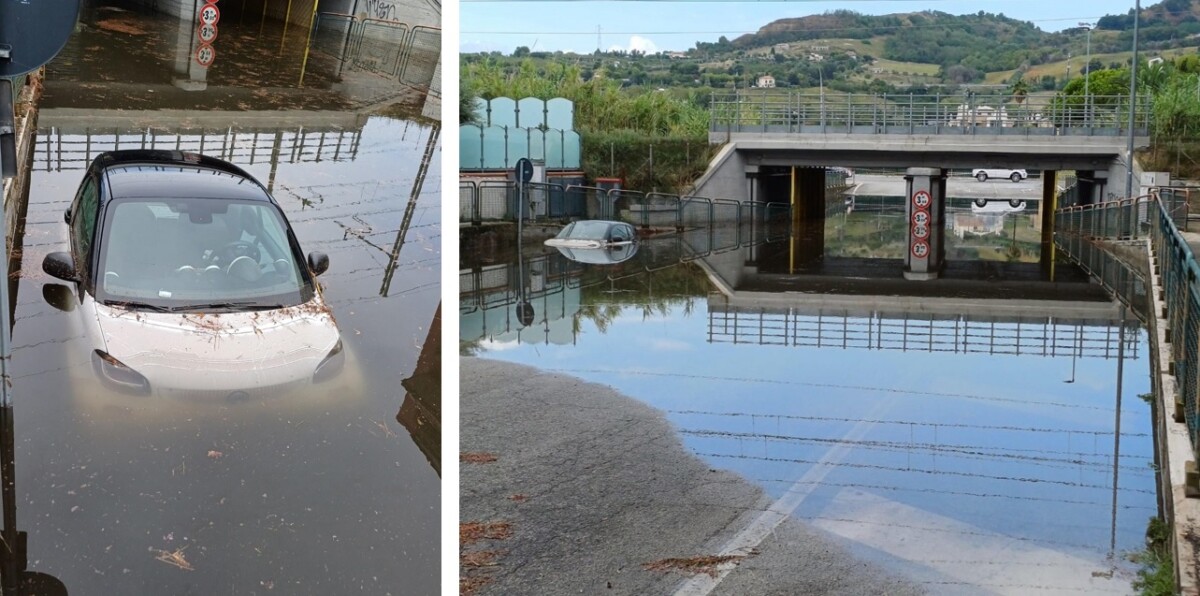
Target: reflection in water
{"points": [[15, 577], [926, 425], [421, 412], [160, 61]]}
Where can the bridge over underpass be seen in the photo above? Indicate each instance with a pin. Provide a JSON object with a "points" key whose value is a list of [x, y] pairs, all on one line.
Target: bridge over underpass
{"points": [[797, 135]]}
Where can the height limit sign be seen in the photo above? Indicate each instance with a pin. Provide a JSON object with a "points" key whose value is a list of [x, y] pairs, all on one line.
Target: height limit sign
{"points": [[921, 200]]}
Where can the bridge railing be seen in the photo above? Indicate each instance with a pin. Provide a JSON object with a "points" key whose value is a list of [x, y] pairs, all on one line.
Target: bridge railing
{"points": [[783, 111]]}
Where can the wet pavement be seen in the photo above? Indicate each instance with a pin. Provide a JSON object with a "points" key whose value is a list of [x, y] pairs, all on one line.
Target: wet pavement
{"points": [[963, 436], [321, 489]]}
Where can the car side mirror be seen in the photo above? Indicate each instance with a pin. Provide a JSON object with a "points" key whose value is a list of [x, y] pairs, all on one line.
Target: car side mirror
{"points": [[67, 215], [60, 265], [59, 296], [318, 262]]}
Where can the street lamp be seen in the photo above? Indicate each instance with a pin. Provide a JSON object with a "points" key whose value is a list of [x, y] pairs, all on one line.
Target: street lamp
{"points": [[1087, 75]]}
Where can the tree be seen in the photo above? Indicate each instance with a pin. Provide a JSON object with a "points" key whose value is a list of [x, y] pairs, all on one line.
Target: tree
{"points": [[1019, 89], [521, 52]]}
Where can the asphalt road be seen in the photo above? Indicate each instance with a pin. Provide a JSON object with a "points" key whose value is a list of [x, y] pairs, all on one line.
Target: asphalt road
{"points": [[961, 188], [594, 485]]}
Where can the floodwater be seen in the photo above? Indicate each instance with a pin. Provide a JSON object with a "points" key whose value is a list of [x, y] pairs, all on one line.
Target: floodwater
{"points": [[332, 490], [971, 447]]}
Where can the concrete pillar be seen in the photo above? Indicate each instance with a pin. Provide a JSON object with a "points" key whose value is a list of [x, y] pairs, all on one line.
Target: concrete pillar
{"points": [[753, 187], [1046, 208], [1099, 186], [926, 210], [189, 74]]}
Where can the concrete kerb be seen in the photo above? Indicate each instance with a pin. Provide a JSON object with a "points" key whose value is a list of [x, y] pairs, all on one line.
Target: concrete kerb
{"points": [[1181, 512], [16, 189]]}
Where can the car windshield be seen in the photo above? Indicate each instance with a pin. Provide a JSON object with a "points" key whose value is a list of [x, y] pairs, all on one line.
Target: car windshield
{"points": [[198, 254], [585, 230]]}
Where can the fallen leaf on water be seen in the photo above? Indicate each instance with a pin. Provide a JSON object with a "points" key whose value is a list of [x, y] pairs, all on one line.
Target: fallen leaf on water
{"points": [[174, 558], [214, 454]]}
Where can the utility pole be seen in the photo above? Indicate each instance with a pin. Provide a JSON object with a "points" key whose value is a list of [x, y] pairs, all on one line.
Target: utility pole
{"points": [[1137, 12], [1087, 76]]}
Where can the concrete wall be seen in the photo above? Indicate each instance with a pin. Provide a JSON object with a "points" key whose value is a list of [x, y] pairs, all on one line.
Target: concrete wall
{"points": [[15, 191], [725, 177]]}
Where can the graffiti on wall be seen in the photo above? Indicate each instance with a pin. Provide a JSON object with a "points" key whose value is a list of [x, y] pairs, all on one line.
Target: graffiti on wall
{"points": [[384, 10]]}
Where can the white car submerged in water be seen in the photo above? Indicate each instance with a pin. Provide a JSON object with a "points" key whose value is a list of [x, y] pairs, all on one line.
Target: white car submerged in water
{"points": [[189, 282], [596, 242]]}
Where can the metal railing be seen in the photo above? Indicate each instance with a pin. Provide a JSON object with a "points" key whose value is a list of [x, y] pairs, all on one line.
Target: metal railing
{"points": [[1158, 217], [1126, 219], [394, 49], [1180, 278], [496, 201], [778, 111]]}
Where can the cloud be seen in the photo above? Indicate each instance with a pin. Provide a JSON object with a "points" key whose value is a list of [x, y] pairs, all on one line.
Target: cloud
{"points": [[666, 345], [639, 43]]}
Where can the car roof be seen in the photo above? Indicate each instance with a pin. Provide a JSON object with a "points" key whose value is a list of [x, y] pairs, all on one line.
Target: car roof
{"points": [[175, 174]]}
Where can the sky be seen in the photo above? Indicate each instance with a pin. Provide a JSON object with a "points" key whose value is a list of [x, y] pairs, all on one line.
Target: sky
{"points": [[653, 26]]}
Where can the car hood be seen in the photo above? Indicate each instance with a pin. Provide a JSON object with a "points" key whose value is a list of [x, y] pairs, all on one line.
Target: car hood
{"points": [[609, 255], [574, 243], [220, 351]]}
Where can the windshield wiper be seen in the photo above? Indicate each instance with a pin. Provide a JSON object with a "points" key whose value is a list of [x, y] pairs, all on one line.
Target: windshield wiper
{"points": [[138, 305], [245, 305]]}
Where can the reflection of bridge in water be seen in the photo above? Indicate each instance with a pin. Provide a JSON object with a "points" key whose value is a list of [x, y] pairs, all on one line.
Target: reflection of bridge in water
{"points": [[71, 139], [1024, 315]]}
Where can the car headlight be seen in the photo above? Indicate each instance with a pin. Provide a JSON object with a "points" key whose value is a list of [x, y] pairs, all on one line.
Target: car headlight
{"points": [[331, 365], [117, 374]]}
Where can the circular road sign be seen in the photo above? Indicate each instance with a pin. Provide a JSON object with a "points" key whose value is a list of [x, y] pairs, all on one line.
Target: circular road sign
{"points": [[206, 32], [920, 218], [35, 32], [920, 249], [210, 14], [920, 231], [524, 170], [205, 54], [921, 199]]}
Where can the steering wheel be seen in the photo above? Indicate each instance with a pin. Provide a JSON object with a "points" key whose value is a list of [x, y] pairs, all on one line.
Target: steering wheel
{"points": [[238, 248]]}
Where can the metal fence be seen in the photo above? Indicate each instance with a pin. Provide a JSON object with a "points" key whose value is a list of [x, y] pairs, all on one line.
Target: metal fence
{"points": [[781, 111], [1126, 219], [411, 55], [1157, 217], [1180, 278], [496, 201]]}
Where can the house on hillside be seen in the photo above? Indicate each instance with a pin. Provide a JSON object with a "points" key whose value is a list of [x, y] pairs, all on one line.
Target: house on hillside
{"points": [[765, 82], [676, 55], [815, 57], [781, 47], [980, 116]]}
